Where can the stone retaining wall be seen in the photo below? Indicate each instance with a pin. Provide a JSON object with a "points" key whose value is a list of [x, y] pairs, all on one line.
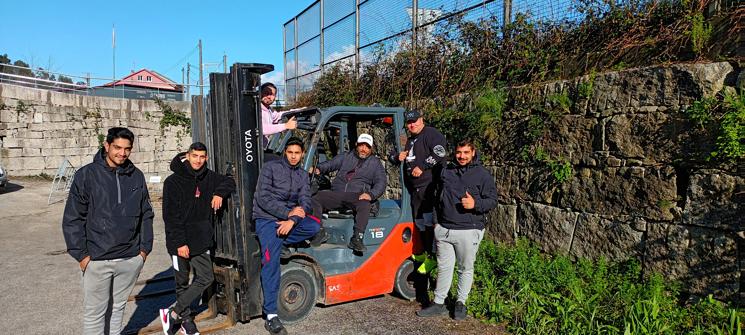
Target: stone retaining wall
{"points": [[640, 187], [40, 128]]}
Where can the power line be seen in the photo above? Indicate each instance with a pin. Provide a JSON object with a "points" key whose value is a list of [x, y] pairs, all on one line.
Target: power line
{"points": [[181, 61]]}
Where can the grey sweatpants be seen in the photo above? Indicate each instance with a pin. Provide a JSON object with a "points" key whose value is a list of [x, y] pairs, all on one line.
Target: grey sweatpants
{"points": [[106, 287], [455, 245]]}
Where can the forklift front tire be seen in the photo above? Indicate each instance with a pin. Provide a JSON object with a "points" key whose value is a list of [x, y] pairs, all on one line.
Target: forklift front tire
{"points": [[404, 284], [297, 294]]}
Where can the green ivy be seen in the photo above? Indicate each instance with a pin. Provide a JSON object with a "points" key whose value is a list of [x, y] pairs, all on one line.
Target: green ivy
{"points": [[173, 118], [731, 139], [700, 111], [700, 32], [724, 116], [585, 88]]}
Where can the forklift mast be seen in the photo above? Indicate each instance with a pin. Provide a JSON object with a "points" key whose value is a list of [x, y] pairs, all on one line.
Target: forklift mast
{"points": [[232, 125]]}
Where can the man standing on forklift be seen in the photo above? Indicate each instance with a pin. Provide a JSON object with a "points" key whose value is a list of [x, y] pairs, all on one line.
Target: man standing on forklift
{"points": [[280, 205], [423, 154], [466, 192], [269, 117], [360, 181], [191, 196]]}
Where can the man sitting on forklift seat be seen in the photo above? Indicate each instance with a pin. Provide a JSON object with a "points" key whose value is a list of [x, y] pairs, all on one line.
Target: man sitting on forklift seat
{"points": [[281, 202], [360, 180]]}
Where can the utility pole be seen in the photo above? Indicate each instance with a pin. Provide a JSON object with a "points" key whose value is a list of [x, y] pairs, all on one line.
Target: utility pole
{"points": [[113, 48], [188, 81], [224, 63], [201, 80], [182, 83]]}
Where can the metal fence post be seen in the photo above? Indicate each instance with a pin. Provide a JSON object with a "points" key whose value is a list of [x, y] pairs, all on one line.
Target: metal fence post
{"points": [[507, 15], [320, 32], [357, 38], [414, 23], [294, 61], [284, 59]]}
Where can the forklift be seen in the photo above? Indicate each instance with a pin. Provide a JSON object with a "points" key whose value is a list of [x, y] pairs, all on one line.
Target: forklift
{"points": [[331, 273]]}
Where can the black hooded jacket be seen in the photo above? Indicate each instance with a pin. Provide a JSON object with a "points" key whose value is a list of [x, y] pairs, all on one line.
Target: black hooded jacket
{"points": [[187, 205], [454, 181], [108, 213]]}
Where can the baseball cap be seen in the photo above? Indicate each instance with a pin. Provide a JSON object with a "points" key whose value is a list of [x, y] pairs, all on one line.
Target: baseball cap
{"points": [[412, 115], [365, 138]]}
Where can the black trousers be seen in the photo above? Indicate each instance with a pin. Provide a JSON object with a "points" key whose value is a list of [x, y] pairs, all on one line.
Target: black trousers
{"points": [[187, 293], [329, 200], [422, 200]]}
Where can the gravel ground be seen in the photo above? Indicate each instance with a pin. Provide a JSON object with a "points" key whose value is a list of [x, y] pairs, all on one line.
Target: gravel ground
{"points": [[39, 279]]}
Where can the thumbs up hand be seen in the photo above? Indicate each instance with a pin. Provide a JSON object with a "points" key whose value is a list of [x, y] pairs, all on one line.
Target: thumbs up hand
{"points": [[467, 201]]}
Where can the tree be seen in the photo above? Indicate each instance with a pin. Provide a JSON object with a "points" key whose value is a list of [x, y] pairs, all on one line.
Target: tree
{"points": [[22, 72], [64, 79]]}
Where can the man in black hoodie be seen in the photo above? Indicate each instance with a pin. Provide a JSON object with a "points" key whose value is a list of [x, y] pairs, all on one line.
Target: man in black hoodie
{"points": [[108, 228], [191, 197], [466, 192]]}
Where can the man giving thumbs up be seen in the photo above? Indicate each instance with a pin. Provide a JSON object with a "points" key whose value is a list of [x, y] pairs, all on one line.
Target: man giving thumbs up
{"points": [[466, 192]]}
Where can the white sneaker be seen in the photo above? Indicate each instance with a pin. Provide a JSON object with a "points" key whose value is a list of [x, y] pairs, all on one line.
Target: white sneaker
{"points": [[170, 324]]}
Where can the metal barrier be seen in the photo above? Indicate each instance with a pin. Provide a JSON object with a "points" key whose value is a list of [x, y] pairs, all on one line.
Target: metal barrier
{"points": [[62, 182]]}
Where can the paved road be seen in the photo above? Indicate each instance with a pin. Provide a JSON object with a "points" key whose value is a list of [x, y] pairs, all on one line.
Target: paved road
{"points": [[41, 291]]}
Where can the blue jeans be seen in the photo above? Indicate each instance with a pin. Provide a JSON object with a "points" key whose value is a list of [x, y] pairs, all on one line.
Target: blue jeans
{"points": [[271, 246]]}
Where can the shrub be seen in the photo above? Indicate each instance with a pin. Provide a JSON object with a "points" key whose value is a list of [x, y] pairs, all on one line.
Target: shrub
{"points": [[535, 293]]}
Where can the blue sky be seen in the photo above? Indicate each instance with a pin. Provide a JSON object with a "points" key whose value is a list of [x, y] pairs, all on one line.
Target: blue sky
{"points": [[74, 37]]}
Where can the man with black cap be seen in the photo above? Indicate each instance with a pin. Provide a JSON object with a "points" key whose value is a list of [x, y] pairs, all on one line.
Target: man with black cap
{"points": [[424, 153], [359, 182]]}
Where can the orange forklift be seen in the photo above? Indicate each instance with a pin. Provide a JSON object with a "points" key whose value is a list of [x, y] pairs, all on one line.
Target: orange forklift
{"points": [[328, 274]]}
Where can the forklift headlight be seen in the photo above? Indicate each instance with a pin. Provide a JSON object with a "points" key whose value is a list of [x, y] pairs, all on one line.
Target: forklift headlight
{"points": [[406, 235]]}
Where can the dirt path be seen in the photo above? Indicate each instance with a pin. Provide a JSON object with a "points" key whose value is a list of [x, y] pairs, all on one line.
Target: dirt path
{"points": [[41, 293]]}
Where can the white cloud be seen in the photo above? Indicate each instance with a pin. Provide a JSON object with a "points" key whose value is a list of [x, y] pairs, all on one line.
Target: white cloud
{"points": [[277, 78]]}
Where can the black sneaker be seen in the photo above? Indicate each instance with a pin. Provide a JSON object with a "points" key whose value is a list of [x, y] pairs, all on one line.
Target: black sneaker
{"points": [[170, 324], [460, 311], [320, 238], [433, 310], [355, 243], [274, 326], [188, 327]]}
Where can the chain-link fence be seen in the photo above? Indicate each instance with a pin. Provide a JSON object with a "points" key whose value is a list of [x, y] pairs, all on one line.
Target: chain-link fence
{"points": [[330, 32]]}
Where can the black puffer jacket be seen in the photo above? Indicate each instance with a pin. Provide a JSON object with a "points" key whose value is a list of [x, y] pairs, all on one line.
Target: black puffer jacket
{"points": [[108, 213], [427, 152], [187, 205], [368, 174], [280, 188], [454, 181]]}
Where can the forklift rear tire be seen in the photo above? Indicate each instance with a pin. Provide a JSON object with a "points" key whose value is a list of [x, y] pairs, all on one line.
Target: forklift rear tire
{"points": [[297, 294], [404, 284]]}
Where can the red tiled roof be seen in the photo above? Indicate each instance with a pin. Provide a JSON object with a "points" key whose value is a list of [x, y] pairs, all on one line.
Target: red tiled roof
{"points": [[158, 81]]}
